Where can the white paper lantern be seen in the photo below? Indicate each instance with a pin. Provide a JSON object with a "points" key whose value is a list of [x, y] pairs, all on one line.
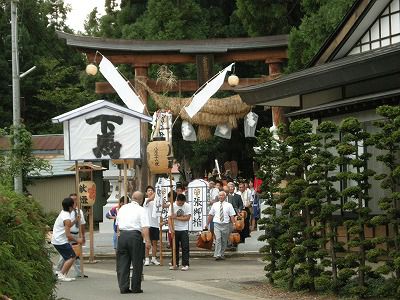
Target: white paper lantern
{"points": [[233, 80], [91, 69]]}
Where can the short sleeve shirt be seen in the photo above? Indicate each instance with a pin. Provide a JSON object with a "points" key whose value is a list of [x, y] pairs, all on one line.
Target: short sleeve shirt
{"points": [[132, 216], [227, 209], [148, 207], [181, 211], [59, 237]]}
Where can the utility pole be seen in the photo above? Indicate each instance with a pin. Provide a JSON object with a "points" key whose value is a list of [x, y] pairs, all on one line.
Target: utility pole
{"points": [[16, 87]]}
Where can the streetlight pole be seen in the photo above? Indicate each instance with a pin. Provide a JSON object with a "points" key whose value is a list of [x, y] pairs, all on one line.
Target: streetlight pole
{"points": [[16, 87]]}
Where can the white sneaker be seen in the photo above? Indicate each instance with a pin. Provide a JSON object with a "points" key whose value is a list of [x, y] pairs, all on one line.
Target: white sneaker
{"points": [[185, 268], [155, 262], [62, 277], [147, 262]]}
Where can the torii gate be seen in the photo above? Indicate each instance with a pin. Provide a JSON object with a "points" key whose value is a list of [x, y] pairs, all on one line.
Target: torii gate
{"points": [[271, 50]]}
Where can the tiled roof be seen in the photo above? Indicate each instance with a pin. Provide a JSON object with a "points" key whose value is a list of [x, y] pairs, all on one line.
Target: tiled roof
{"points": [[180, 46], [355, 68], [40, 142]]}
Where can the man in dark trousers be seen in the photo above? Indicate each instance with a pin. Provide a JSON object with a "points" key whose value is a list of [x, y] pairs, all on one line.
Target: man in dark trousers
{"points": [[234, 199], [133, 225], [237, 204]]}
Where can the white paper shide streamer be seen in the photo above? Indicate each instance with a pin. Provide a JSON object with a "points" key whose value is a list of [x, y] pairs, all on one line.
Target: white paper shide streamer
{"points": [[124, 91], [200, 98]]}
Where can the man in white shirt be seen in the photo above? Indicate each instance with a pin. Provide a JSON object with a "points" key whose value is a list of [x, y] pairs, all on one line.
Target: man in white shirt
{"points": [[62, 237], [78, 224], [221, 213], [133, 225]]}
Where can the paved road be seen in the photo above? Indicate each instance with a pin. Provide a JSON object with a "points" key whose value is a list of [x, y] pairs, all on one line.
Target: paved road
{"points": [[206, 279]]}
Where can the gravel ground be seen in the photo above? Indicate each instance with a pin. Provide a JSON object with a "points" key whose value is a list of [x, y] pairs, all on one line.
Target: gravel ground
{"points": [[267, 291]]}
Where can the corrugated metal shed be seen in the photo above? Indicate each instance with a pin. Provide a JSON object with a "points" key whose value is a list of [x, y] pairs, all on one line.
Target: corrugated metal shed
{"points": [[59, 166]]}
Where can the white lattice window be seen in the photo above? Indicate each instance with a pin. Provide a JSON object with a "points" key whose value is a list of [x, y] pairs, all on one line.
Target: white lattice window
{"points": [[383, 32]]}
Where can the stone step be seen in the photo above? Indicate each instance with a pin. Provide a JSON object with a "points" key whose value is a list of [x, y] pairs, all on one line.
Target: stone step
{"points": [[252, 244]]}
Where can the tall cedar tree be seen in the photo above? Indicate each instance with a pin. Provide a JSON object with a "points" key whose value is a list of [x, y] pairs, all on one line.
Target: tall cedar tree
{"points": [[319, 20]]}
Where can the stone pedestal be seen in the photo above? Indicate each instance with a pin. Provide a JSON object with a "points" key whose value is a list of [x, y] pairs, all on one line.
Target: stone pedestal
{"points": [[112, 174]]}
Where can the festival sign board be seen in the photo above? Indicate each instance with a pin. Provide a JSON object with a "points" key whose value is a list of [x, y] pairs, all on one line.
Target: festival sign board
{"points": [[87, 193], [197, 199], [162, 189], [102, 130]]}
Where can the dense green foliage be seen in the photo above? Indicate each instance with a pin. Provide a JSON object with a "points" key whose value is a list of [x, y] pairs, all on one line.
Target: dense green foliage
{"points": [[55, 86], [302, 172], [319, 21], [324, 162], [25, 267], [19, 160], [354, 164], [268, 17], [388, 141]]}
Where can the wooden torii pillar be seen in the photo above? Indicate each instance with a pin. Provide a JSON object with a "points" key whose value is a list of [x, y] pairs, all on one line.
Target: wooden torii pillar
{"points": [[275, 70], [141, 171]]}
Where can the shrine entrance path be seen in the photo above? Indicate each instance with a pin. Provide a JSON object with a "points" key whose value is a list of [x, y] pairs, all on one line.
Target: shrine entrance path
{"points": [[235, 278]]}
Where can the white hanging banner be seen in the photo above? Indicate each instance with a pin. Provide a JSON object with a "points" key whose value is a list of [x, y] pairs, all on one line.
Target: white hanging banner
{"points": [[197, 199], [206, 92], [124, 91]]}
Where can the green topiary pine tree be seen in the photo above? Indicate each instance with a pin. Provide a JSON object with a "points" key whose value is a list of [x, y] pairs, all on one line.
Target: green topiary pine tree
{"points": [[321, 171], [354, 161], [271, 157], [303, 204], [388, 140]]}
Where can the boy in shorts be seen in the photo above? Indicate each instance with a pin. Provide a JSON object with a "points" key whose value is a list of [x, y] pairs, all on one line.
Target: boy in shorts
{"points": [[62, 237]]}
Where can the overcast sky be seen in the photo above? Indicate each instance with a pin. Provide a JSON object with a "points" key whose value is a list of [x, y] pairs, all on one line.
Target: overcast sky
{"points": [[80, 10]]}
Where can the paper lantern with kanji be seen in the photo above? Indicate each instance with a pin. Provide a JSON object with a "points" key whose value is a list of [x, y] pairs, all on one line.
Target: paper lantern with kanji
{"points": [[159, 157], [87, 193]]}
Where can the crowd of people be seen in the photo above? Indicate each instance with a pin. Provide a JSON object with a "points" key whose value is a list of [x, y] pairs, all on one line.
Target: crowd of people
{"points": [[137, 230]]}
